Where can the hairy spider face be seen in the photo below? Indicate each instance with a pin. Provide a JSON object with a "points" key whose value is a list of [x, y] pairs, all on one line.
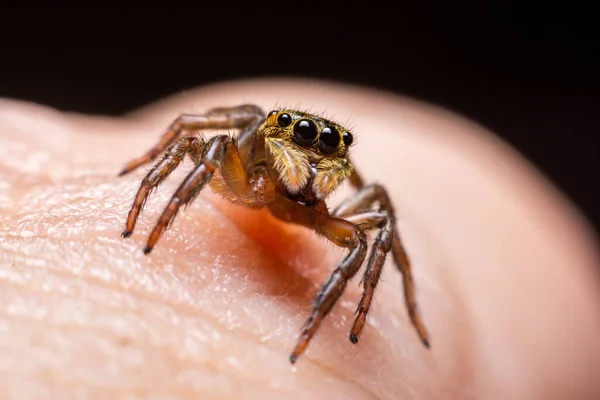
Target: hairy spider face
{"points": [[307, 152]]}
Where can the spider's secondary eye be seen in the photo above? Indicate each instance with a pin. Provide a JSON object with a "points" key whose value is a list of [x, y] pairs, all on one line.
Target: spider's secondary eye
{"points": [[271, 113], [284, 120], [305, 132], [329, 140], [347, 137]]}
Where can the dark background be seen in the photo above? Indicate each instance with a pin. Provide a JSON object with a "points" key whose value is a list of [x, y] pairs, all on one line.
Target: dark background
{"points": [[529, 72]]}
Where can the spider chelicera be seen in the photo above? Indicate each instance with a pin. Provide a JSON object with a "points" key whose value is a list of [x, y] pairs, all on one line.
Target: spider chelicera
{"points": [[287, 161]]}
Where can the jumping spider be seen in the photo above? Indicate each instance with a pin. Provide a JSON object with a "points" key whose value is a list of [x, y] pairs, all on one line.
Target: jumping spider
{"points": [[288, 162]]}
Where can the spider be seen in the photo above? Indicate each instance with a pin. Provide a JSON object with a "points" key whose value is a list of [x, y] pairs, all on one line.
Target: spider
{"points": [[287, 161]]}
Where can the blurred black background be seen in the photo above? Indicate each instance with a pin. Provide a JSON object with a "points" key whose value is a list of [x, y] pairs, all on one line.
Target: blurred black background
{"points": [[528, 71]]}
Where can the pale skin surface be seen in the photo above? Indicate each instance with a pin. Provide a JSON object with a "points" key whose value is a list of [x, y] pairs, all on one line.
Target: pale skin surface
{"points": [[506, 270]]}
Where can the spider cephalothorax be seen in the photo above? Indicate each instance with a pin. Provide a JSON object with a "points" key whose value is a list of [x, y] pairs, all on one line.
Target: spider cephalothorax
{"points": [[288, 162]]}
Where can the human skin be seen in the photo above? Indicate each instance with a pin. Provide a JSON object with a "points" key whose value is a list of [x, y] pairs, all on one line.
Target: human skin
{"points": [[506, 269]]}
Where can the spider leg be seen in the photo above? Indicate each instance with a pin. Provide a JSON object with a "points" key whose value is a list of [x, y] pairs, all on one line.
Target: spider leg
{"points": [[188, 145], [214, 150], [355, 179], [387, 240], [216, 118], [344, 234], [362, 201], [379, 250], [366, 220]]}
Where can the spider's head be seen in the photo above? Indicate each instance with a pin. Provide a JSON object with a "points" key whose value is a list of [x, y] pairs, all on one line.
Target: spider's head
{"points": [[307, 152]]}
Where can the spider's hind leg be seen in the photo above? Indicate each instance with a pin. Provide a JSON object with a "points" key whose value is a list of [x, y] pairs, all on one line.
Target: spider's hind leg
{"points": [[343, 234], [359, 209]]}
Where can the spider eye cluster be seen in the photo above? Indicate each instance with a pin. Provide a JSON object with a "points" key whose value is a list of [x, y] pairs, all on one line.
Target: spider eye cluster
{"points": [[306, 133]]}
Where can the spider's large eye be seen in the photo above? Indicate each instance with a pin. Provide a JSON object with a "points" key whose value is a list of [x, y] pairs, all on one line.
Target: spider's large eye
{"points": [[347, 138], [329, 140], [305, 132], [284, 120]]}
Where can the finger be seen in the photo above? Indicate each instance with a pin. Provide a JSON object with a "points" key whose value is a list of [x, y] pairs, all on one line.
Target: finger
{"points": [[456, 292], [211, 299]]}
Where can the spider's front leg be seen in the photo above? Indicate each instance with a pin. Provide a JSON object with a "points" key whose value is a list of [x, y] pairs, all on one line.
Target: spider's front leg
{"points": [[344, 234], [237, 117], [191, 186], [359, 209], [192, 146]]}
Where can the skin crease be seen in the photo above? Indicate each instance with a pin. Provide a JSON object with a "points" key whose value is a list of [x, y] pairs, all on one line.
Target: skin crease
{"points": [[506, 269]]}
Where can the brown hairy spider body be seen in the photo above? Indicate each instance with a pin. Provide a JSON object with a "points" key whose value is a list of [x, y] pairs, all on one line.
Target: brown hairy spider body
{"points": [[289, 162]]}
